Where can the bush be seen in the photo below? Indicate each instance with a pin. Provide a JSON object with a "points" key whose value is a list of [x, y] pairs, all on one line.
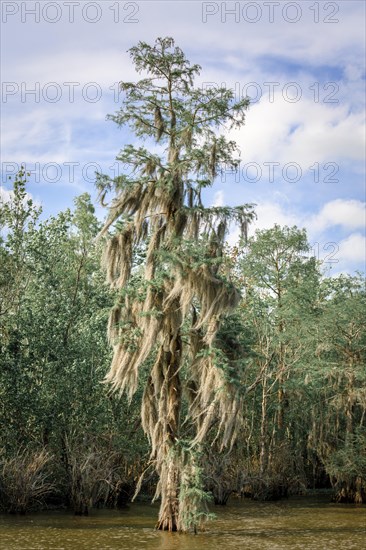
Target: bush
{"points": [[24, 480]]}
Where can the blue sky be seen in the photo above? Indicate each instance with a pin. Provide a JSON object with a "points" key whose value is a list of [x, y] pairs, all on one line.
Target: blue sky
{"points": [[303, 144]]}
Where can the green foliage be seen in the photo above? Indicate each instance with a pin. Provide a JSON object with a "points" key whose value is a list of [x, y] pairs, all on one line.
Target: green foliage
{"points": [[305, 368], [193, 499], [282, 376], [293, 331], [54, 350]]}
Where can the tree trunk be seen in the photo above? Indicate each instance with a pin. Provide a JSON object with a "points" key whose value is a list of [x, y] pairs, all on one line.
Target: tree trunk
{"points": [[169, 417], [263, 457], [169, 507]]}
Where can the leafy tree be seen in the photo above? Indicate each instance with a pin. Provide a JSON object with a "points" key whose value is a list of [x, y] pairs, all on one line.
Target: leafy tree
{"points": [[281, 286], [54, 353], [172, 304], [18, 217], [337, 377]]}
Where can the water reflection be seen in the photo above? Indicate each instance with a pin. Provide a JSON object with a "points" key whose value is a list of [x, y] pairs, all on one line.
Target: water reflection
{"points": [[305, 524]]}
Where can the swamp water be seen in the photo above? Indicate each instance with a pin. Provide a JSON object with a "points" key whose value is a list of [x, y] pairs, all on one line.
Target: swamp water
{"points": [[302, 523]]}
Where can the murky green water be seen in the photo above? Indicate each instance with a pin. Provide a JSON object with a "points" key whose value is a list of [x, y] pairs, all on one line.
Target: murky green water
{"points": [[304, 524]]}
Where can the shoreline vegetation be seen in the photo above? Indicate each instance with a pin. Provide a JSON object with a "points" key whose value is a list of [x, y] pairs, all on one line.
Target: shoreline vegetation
{"points": [[226, 370], [67, 441]]}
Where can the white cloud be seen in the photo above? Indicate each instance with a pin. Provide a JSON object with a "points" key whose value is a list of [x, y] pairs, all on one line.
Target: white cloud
{"points": [[330, 43], [64, 66], [302, 133], [353, 248], [218, 198], [350, 214], [271, 213], [5, 195], [268, 214]]}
